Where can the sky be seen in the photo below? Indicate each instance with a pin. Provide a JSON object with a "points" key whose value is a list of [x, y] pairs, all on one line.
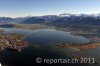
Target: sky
{"points": [[19, 8]]}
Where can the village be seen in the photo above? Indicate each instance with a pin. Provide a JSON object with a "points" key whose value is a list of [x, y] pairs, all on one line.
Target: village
{"points": [[12, 41]]}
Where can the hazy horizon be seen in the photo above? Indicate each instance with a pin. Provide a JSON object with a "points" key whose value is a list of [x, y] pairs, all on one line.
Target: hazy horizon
{"points": [[21, 8]]}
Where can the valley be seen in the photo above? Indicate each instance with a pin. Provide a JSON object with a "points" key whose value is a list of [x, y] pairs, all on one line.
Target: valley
{"points": [[54, 36]]}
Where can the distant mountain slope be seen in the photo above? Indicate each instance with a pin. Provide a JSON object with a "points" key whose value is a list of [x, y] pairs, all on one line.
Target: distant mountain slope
{"points": [[20, 19], [34, 20], [50, 17], [76, 21], [6, 19], [12, 20], [61, 20], [65, 20]]}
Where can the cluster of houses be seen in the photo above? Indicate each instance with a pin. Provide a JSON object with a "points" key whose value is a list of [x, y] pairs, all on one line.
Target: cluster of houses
{"points": [[13, 41]]}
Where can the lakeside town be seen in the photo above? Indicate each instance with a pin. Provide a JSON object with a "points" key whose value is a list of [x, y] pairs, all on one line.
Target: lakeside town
{"points": [[13, 41]]}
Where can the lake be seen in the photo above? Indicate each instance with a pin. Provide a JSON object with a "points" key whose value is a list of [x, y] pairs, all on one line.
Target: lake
{"points": [[40, 37], [48, 36]]}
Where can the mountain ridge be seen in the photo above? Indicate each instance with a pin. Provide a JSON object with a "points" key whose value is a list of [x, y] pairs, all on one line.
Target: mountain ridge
{"points": [[64, 19]]}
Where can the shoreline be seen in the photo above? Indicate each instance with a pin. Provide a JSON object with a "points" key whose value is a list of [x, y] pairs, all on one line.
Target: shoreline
{"points": [[82, 47], [13, 41], [94, 42]]}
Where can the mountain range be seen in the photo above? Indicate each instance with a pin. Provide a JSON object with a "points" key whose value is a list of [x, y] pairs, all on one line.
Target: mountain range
{"points": [[64, 20]]}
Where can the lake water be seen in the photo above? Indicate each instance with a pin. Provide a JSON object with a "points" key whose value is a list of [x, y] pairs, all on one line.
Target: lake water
{"points": [[48, 36], [41, 37]]}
